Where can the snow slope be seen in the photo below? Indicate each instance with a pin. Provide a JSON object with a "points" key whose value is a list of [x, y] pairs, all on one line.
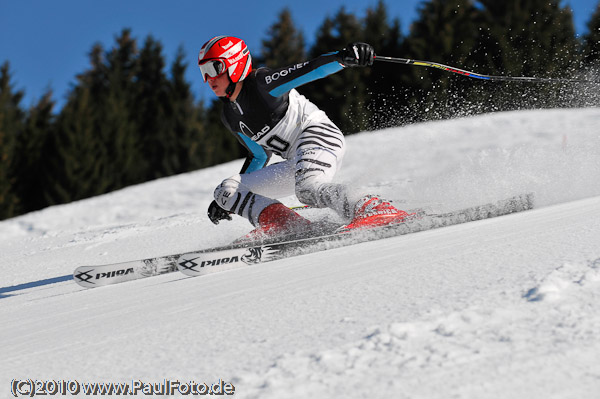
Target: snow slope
{"points": [[506, 307]]}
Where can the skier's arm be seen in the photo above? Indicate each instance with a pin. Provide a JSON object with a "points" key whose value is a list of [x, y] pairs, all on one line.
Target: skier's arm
{"points": [[257, 157], [282, 80]]}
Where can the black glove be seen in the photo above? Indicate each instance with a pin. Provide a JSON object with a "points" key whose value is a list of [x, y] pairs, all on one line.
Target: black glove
{"points": [[216, 213], [358, 54]]}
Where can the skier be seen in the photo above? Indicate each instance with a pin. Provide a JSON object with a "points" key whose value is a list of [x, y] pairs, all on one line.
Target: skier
{"points": [[268, 116]]}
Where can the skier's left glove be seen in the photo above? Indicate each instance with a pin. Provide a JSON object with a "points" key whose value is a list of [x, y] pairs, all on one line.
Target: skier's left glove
{"points": [[357, 54], [216, 213]]}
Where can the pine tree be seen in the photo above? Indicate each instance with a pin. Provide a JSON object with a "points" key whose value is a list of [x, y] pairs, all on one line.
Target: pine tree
{"points": [[387, 92], [343, 96], [527, 38], [151, 113], [285, 44], [591, 49], [185, 124], [74, 169], [118, 127], [96, 145], [219, 145], [33, 145], [444, 32], [11, 125]]}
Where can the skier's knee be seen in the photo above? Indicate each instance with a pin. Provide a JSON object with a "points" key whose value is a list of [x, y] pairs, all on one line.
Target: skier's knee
{"points": [[307, 195], [327, 195]]}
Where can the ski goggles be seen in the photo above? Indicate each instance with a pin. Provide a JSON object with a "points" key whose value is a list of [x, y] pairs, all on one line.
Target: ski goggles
{"points": [[212, 68]]}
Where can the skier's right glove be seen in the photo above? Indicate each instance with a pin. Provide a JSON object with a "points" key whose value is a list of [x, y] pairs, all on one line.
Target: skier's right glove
{"points": [[357, 54], [216, 213]]}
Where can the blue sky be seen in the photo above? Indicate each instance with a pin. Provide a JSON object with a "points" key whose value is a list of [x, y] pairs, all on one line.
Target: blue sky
{"points": [[47, 41]]}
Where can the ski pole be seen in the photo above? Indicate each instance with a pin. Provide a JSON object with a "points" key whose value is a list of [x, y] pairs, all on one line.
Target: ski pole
{"points": [[470, 74]]}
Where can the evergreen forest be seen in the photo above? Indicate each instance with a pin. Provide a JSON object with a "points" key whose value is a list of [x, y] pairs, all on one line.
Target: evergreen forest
{"points": [[131, 118]]}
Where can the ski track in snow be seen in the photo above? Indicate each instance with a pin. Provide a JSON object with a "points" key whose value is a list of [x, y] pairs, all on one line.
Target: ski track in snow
{"points": [[506, 307]]}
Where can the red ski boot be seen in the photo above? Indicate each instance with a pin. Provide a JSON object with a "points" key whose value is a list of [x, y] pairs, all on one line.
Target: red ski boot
{"points": [[371, 212], [277, 220]]}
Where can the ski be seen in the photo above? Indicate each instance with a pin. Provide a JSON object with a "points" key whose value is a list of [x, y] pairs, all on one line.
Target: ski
{"points": [[240, 255], [98, 276], [233, 256]]}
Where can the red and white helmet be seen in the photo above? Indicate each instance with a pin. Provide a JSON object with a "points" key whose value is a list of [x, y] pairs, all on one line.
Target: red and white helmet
{"points": [[225, 54]]}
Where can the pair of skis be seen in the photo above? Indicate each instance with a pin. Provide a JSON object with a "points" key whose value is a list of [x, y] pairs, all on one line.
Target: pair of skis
{"points": [[244, 254]]}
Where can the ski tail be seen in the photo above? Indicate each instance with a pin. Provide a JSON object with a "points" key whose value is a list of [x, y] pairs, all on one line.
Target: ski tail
{"points": [[98, 276]]}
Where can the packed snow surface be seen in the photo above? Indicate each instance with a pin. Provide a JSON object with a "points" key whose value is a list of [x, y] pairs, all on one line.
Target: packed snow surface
{"points": [[505, 307]]}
